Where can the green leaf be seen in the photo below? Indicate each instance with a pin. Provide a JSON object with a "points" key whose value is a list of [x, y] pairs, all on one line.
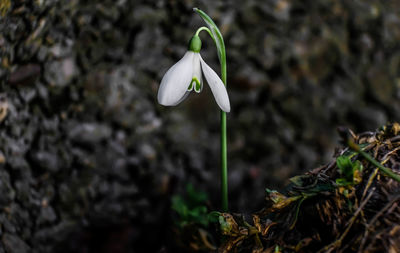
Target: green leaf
{"points": [[350, 153], [350, 171], [199, 215], [217, 36], [344, 164], [214, 216], [342, 182], [191, 209], [224, 225], [298, 180], [194, 197], [357, 165], [198, 211], [179, 205]]}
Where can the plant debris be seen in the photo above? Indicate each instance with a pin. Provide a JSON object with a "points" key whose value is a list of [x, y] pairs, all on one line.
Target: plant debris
{"points": [[348, 205]]}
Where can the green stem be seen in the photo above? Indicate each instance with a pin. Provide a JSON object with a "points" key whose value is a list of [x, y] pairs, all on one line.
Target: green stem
{"points": [[387, 171], [203, 28], [370, 159], [224, 159], [219, 42]]}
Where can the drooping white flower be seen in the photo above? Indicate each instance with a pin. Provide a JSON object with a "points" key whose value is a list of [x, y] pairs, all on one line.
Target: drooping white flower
{"points": [[186, 76]]}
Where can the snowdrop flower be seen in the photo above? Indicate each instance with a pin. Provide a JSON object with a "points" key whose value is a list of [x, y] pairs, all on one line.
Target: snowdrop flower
{"points": [[186, 76]]}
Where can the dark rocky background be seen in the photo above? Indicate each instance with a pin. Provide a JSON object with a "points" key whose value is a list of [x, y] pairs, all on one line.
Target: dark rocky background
{"points": [[89, 160]]}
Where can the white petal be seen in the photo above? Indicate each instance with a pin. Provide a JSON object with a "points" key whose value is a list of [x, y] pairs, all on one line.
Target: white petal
{"points": [[176, 81], [183, 98], [217, 87], [197, 70]]}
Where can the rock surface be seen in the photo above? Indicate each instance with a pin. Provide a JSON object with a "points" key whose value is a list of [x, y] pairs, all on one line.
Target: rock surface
{"points": [[89, 160]]}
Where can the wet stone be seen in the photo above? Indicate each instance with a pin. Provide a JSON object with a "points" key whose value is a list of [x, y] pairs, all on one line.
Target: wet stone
{"points": [[88, 132], [18, 163], [25, 74], [55, 233], [23, 191], [7, 225], [14, 244], [47, 215], [60, 73], [27, 94], [46, 160], [3, 106], [81, 80], [8, 193], [2, 158]]}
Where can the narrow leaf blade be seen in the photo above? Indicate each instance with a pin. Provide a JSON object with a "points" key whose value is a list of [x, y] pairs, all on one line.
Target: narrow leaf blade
{"points": [[218, 39]]}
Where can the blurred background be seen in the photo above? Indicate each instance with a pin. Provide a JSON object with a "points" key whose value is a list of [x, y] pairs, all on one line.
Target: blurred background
{"points": [[89, 160]]}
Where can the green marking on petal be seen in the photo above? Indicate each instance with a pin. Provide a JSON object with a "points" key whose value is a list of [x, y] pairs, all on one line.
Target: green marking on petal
{"points": [[197, 86], [190, 88]]}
